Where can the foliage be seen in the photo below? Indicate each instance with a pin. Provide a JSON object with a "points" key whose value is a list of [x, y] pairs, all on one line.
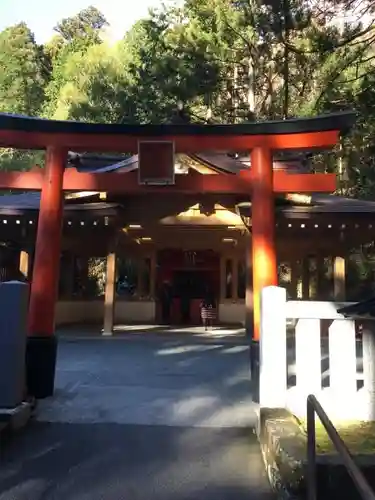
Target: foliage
{"points": [[86, 24], [11, 159], [77, 35], [23, 72], [92, 86]]}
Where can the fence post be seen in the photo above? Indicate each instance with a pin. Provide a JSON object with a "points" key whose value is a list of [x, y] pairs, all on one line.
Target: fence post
{"points": [[273, 360], [368, 342], [342, 359], [308, 356]]}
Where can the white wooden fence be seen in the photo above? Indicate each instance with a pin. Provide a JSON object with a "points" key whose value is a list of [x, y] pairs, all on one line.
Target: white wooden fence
{"points": [[309, 357]]}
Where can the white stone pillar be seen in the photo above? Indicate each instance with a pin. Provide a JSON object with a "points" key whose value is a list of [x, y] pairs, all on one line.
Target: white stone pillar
{"points": [[273, 354]]}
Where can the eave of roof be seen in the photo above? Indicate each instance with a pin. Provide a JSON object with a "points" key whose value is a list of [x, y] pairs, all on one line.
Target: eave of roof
{"points": [[335, 121], [21, 204], [28, 203]]}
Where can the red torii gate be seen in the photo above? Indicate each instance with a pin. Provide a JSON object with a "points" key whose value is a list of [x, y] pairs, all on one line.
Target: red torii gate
{"points": [[260, 182]]}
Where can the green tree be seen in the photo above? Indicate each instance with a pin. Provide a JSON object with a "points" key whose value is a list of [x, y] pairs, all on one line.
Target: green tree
{"points": [[163, 73], [76, 35], [23, 71], [88, 23], [96, 87]]}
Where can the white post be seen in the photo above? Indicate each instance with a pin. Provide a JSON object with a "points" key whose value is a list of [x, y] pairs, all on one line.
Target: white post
{"points": [[308, 357], [368, 336], [342, 359], [273, 360]]}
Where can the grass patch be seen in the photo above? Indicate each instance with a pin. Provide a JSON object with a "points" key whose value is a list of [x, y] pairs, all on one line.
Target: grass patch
{"points": [[358, 436]]}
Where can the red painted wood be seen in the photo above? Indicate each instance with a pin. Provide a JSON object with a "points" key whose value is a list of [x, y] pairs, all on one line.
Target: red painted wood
{"points": [[127, 183], [263, 229], [44, 286], [183, 143]]}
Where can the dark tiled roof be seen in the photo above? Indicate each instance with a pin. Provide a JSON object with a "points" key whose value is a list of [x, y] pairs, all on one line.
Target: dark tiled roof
{"points": [[321, 203], [24, 201], [228, 164], [18, 204], [333, 121], [219, 162], [102, 164]]}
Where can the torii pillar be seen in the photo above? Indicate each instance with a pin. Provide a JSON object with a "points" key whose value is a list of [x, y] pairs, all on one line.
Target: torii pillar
{"points": [[42, 345], [263, 228], [264, 244]]}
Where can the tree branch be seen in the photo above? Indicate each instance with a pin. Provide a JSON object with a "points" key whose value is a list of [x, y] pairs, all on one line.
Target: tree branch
{"points": [[332, 78], [343, 43]]}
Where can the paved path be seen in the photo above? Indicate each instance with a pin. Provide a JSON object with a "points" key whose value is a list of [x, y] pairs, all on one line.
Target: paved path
{"points": [[136, 419]]}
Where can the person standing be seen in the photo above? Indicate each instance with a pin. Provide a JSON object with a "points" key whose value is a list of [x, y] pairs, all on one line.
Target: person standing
{"points": [[208, 310]]}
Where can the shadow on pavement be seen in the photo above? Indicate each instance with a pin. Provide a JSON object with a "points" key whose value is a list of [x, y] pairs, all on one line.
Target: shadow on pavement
{"points": [[118, 462]]}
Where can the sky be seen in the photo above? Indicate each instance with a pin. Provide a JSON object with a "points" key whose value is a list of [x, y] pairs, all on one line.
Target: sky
{"points": [[42, 15]]}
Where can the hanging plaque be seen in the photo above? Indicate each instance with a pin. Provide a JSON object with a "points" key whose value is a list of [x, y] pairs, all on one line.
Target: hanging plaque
{"points": [[156, 160]]}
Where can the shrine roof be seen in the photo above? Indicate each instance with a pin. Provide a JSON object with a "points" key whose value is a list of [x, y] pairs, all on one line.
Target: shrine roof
{"points": [[218, 162], [342, 121], [21, 204], [329, 203]]}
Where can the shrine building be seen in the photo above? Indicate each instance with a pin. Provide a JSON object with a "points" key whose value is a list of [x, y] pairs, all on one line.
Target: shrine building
{"points": [[139, 242]]}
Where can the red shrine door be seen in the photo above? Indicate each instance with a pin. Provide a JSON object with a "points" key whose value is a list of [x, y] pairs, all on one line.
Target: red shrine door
{"points": [[188, 274]]}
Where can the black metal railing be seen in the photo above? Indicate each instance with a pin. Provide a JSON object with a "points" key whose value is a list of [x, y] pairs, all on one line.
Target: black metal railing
{"points": [[314, 407]]}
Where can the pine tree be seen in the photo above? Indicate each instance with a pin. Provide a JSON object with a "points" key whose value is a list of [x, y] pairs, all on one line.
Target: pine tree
{"points": [[23, 71]]}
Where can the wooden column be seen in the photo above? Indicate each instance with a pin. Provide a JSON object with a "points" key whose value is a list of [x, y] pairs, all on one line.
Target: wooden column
{"points": [[24, 264], [153, 282], [85, 273], [41, 349], [223, 278], [70, 276], [294, 270], [339, 275], [110, 294], [235, 279], [319, 277], [140, 273], [249, 312], [263, 225], [31, 263], [67, 276], [305, 278], [153, 275]]}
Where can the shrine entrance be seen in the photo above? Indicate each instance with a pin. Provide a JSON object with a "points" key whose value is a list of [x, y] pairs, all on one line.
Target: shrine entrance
{"points": [[190, 274], [156, 146]]}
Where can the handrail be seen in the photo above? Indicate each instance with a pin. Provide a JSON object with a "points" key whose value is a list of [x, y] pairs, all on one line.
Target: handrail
{"points": [[313, 406]]}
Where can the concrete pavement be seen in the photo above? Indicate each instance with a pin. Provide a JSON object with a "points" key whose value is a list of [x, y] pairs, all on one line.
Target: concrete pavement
{"points": [[157, 418]]}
